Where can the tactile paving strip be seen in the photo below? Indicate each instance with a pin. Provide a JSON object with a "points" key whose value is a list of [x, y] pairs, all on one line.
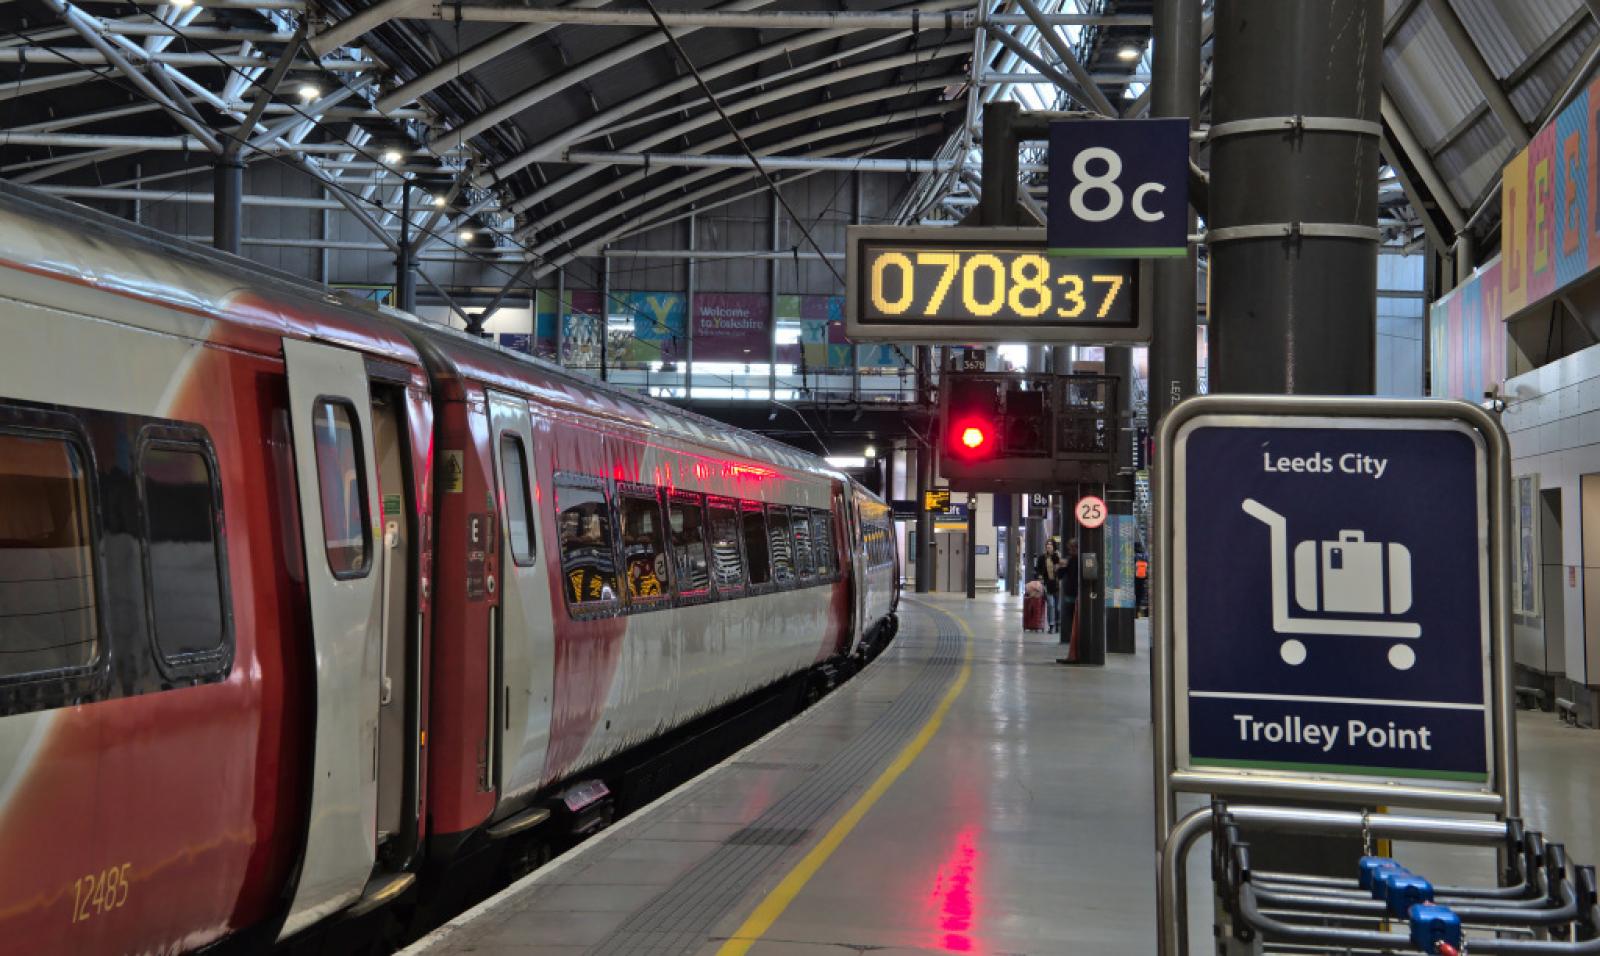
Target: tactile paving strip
{"points": [[680, 919]]}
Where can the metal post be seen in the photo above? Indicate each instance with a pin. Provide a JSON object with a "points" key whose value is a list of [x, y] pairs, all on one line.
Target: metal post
{"points": [[1014, 576], [1295, 268], [1465, 257], [772, 300], [605, 312], [227, 204], [1036, 516], [1091, 590], [688, 324], [1175, 91], [561, 311], [405, 281], [925, 455], [972, 545], [1119, 502], [855, 352]]}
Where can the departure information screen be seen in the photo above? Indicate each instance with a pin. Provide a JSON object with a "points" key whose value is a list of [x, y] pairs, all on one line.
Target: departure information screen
{"points": [[965, 285]]}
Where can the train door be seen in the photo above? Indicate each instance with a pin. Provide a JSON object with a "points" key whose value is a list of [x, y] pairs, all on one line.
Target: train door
{"points": [[398, 661], [526, 639], [331, 417]]}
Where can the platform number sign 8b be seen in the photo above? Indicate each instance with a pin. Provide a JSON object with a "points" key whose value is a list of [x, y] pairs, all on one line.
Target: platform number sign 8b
{"points": [[1091, 511], [1127, 187]]}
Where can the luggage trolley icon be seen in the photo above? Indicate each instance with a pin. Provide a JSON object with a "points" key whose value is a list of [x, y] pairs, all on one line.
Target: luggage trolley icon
{"points": [[1356, 576]]}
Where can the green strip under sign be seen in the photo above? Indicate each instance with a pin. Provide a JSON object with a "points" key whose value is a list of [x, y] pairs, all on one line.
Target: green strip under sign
{"points": [[1343, 768], [1129, 253]]}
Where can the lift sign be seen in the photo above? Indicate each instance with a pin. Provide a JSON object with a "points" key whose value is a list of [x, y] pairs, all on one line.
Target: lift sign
{"points": [[1331, 597]]}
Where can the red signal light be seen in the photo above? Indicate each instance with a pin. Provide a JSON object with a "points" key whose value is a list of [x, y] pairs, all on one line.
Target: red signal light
{"points": [[973, 437]]}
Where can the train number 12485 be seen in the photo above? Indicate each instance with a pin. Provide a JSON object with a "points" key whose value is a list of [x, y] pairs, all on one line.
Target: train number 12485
{"points": [[99, 893]]}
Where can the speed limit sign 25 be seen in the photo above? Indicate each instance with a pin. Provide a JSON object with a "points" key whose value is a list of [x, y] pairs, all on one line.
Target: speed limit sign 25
{"points": [[1090, 511]]}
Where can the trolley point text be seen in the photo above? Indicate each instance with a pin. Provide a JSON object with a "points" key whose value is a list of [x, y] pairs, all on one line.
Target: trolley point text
{"points": [[1351, 463], [1293, 729]]}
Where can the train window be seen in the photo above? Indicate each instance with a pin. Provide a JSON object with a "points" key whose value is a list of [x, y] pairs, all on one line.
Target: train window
{"points": [[822, 541], [514, 482], [644, 551], [687, 519], [727, 567], [47, 588], [587, 563], [800, 521], [342, 478], [184, 560], [782, 546], [755, 545]]}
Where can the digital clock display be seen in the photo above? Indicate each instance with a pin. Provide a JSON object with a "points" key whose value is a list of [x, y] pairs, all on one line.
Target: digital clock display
{"points": [[984, 284], [955, 284]]}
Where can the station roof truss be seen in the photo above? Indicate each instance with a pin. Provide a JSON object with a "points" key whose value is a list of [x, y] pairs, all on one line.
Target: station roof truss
{"points": [[532, 134]]}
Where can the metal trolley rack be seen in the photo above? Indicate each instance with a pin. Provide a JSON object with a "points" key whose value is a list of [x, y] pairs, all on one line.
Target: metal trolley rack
{"points": [[1541, 905]]}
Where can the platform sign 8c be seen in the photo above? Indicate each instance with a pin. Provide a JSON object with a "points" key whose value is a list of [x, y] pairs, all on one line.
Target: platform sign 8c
{"points": [[1126, 184]]}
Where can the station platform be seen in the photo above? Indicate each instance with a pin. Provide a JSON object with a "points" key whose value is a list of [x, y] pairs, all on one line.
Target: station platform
{"points": [[964, 794]]}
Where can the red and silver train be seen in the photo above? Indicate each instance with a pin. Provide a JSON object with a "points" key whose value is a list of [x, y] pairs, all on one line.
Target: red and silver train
{"points": [[299, 599]]}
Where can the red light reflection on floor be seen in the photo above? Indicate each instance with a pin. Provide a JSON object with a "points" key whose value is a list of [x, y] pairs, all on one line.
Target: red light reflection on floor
{"points": [[954, 898]]}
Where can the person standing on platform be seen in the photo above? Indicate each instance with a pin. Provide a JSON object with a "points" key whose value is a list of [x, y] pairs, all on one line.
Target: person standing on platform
{"points": [[1068, 573], [1047, 569]]}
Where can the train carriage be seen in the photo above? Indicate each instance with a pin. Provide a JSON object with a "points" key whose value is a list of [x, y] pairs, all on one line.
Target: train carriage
{"points": [[299, 599]]}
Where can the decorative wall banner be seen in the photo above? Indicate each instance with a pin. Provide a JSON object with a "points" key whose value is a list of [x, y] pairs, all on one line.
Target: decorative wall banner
{"points": [[1467, 337], [546, 325], [659, 324], [1550, 206], [732, 327], [580, 329], [517, 342]]}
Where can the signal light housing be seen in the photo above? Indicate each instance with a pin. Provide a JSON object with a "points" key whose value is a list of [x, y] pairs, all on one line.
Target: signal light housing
{"points": [[1020, 431]]}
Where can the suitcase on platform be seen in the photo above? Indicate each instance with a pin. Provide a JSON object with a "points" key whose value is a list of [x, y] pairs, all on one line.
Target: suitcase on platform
{"points": [[1033, 612]]}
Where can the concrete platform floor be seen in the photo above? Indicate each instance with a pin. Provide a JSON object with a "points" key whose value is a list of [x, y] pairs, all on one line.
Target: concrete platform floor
{"points": [[965, 794]]}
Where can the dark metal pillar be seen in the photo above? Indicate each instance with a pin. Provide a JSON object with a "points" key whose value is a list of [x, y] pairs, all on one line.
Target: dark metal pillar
{"points": [[227, 204], [972, 545], [925, 551], [405, 279], [605, 311], [1119, 506], [1014, 574], [1091, 587], [1175, 91], [1293, 215]]}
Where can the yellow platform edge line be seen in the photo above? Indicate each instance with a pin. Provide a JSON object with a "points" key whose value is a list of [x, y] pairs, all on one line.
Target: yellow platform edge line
{"points": [[774, 903]]}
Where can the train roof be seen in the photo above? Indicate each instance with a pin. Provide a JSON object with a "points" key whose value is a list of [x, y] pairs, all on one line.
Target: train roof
{"points": [[85, 245]]}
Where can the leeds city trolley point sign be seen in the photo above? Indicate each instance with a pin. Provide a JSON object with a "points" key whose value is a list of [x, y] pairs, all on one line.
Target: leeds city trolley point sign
{"points": [[985, 284], [1332, 608]]}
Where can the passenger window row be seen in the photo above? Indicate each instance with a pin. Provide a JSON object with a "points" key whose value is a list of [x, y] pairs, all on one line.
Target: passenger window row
{"points": [[161, 520], [683, 546], [878, 537]]}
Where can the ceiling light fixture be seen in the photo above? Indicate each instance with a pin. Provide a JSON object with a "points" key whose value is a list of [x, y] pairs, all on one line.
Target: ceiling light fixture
{"points": [[392, 157], [437, 201], [465, 235], [1129, 53], [309, 91]]}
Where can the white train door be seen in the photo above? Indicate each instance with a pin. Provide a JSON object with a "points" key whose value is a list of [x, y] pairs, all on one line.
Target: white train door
{"points": [[331, 417], [527, 638]]}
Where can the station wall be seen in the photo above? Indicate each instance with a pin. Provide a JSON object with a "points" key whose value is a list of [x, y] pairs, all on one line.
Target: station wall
{"points": [[1552, 416]]}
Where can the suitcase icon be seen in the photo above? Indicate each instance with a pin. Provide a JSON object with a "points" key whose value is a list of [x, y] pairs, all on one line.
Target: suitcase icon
{"points": [[1348, 576], [1353, 576]]}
